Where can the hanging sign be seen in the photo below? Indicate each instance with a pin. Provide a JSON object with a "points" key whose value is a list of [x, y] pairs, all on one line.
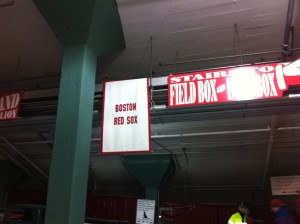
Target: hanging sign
{"points": [[145, 211], [285, 185], [9, 105], [126, 120], [232, 84]]}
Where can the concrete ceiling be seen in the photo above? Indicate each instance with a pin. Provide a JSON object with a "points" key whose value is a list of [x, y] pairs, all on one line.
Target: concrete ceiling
{"points": [[236, 160]]}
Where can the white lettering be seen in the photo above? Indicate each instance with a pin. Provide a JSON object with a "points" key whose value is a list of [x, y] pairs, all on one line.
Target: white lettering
{"points": [[265, 69], [200, 92], [259, 89], [187, 78], [265, 85], [8, 115], [197, 77], [192, 97], [272, 85], [207, 91], [172, 93], [220, 74], [180, 96], [8, 101], [208, 75], [2, 104], [214, 97], [229, 89], [175, 79], [182, 93]]}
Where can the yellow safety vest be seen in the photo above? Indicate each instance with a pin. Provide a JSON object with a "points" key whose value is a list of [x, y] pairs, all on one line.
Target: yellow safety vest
{"points": [[236, 218]]}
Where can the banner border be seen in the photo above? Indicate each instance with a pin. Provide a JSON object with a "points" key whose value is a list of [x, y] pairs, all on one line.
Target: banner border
{"points": [[226, 68], [149, 121]]}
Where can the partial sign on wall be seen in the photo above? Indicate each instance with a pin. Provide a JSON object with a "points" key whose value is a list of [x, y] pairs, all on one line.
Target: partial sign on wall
{"points": [[285, 185], [145, 211], [232, 84], [9, 105], [126, 116]]}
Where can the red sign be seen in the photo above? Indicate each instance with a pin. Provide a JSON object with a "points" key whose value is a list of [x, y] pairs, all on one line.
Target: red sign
{"points": [[9, 105], [232, 84]]}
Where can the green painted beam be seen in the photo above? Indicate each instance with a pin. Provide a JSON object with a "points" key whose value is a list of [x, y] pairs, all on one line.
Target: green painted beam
{"points": [[93, 22], [150, 170], [106, 31], [151, 193], [67, 186], [87, 29]]}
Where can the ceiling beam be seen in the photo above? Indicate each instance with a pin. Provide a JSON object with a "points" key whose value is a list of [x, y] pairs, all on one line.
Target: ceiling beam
{"points": [[26, 162]]}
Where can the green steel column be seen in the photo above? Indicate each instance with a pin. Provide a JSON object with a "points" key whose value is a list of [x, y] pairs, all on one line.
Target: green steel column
{"points": [[86, 30], [151, 171], [70, 158], [151, 193]]}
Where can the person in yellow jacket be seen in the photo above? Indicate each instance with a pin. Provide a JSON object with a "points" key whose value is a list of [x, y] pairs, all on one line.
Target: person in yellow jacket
{"points": [[241, 216]]}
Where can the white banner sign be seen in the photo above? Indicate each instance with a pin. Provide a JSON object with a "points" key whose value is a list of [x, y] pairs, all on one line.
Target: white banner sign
{"points": [[145, 211], [126, 120], [285, 185]]}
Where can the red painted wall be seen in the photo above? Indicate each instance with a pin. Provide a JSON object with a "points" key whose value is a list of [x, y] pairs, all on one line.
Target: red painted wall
{"points": [[115, 208], [118, 208], [26, 197], [180, 213]]}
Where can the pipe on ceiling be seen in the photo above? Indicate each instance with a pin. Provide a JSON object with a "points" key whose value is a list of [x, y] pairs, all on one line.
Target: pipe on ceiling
{"points": [[220, 187], [287, 31], [168, 136], [211, 133], [288, 128], [179, 135], [217, 58], [20, 165], [156, 81], [224, 132], [173, 154], [269, 151], [161, 63], [23, 156]]}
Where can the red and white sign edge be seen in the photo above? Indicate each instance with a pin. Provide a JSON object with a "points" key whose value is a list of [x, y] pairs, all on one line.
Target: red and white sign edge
{"points": [[10, 105], [126, 138], [232, 84]]}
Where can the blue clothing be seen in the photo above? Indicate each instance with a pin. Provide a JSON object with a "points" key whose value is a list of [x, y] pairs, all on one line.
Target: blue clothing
{"points": [[283, 217]]}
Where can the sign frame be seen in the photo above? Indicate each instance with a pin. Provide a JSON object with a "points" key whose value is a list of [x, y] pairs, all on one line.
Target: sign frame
{"points": [[103, 120], [285, 185], [146, 207], [232, 84], [16, 108]]}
